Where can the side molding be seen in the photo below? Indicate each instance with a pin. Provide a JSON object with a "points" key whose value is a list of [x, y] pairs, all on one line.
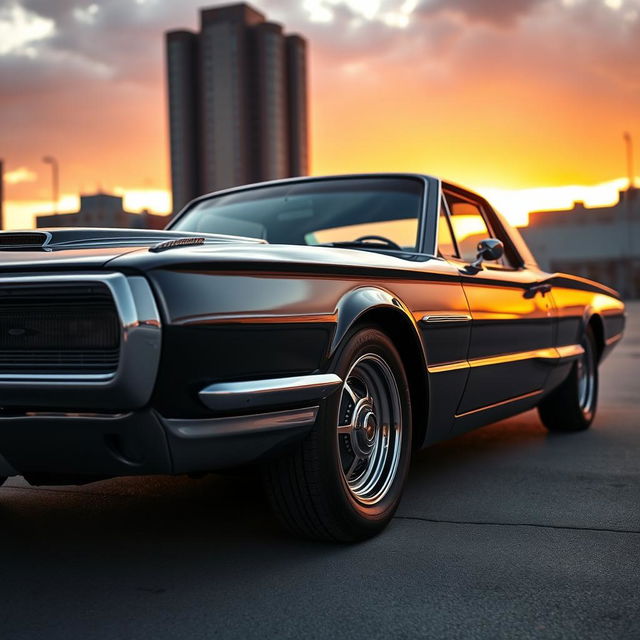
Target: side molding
{"points": [[439, 319]]}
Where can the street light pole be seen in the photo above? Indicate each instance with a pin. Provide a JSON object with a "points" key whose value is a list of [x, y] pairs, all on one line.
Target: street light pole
{"points": [[629, 202], [630, 170], [55, 185], [1, 195]]}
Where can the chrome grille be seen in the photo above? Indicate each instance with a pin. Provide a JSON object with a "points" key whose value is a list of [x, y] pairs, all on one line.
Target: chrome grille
{"points": [[58, 329]]}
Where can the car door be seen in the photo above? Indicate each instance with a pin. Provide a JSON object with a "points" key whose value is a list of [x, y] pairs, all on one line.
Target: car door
{"points": [[512, 324]]}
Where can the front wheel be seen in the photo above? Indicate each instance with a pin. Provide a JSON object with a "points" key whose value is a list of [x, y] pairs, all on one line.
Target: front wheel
{"points": [[345, 480], [572, 406]]}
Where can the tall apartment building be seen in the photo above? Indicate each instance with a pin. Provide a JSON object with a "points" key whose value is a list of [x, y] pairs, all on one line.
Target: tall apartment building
{"points": [[237, 102]]}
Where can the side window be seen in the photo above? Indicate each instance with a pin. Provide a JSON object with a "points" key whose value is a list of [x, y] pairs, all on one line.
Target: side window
{"points": [[446, 244], [469, 226]]}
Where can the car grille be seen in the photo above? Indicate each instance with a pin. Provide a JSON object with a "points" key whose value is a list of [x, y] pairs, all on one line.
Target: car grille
{"points": [[58, 329]]}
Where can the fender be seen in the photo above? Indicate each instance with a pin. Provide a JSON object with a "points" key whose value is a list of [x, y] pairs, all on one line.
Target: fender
{"points": [[609, 322], [358, 303], [595, 304]]}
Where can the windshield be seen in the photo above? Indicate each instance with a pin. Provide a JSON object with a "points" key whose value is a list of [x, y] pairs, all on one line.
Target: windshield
{"points": [[332, 211]]}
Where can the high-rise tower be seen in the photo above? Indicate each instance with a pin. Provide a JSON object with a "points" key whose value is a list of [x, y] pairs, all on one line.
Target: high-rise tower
{"points": [[237, 103]]}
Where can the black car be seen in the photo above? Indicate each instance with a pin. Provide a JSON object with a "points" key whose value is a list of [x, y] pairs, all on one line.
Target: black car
{"points": [[321, 329]]}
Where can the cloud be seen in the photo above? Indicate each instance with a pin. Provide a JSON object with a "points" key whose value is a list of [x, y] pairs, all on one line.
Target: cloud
{"points": [[21, 28], [496, 12]]}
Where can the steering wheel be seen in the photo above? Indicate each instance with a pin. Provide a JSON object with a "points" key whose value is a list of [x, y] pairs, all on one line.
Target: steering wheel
{"points": [[390, 243]]}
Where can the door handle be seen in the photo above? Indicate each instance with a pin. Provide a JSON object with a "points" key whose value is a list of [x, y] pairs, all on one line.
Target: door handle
{"points": [[542, 288]]}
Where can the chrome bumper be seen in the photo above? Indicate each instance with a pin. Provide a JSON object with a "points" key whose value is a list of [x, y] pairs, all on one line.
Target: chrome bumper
{"points": [[144, 442], [244, 395]]}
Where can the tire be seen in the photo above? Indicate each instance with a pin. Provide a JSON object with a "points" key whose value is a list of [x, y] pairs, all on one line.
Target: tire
{"points": [[572, 406], [342, 483]]}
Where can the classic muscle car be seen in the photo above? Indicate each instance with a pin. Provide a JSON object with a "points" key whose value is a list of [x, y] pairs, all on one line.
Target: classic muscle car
{"points": [[318, 329]]}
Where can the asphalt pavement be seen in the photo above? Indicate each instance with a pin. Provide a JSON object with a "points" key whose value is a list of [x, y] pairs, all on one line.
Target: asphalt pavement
{"points": [[506, 532]]}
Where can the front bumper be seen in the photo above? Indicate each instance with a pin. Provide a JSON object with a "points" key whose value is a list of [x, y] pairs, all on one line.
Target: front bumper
{"points": [[143, 442], [109, 425]]}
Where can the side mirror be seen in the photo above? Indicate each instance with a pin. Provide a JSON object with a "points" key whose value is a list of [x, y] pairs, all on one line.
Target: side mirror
{"points": [[488, 249]]}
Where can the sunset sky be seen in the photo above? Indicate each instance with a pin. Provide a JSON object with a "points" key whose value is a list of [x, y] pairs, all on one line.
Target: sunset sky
{"points": [[524, 100]]}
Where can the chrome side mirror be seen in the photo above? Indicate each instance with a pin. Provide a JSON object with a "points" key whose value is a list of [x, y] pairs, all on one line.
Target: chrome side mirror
{"points": [[488, 249]]}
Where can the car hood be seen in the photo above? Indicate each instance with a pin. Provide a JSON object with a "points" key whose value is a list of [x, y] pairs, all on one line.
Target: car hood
{"points": [[89, 248], [131, 250]]}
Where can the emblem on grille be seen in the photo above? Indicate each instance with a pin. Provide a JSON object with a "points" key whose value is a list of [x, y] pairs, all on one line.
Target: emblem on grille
{"points": [[16, 332]]}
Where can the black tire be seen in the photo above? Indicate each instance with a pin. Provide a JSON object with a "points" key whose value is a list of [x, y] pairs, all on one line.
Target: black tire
{"points": [[325, 489], [572, 406], [3, 479]]}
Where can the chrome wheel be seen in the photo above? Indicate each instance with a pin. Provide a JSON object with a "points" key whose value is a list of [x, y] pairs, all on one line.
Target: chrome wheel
{"points": [[369, 429], [344, 481], [586, 379]]}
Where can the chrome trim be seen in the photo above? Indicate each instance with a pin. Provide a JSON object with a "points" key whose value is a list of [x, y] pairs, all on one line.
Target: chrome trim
{"points": [[225, 396], [570, 352], [428, 184], [441, 201], [255, 318], [242, 425], [130, 386], [434, 319], [43, 377], [552, 355], [68, 415], [613, 339], [176, 243], [63, 416], [524, 396], [448, 366]]}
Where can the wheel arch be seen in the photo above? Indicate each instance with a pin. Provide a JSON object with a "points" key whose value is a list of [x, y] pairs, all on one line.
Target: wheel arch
{"points": [[596, 323], [376, 306]]}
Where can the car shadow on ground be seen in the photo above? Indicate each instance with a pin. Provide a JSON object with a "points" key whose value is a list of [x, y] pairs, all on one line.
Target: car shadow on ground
{"points": [[130, 517], [149, 548]]}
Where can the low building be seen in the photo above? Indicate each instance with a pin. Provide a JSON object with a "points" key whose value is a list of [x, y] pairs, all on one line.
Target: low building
{"points": [[103, 210], [600, 243]]}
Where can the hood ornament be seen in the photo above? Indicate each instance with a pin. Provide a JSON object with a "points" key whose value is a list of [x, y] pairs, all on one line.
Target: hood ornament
{"points": [[176, 243]]}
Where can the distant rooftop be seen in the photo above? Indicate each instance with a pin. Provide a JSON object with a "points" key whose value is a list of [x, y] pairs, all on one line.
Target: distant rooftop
{"points": [[580, 214], [103, 210]]}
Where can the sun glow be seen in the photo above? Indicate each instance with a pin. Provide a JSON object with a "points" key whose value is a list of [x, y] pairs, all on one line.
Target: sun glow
{"points": [[153, 200], [514, 204]]}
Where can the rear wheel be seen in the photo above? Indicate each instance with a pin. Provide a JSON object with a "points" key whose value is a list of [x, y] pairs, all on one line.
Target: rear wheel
{"points": [[344, 481], [572, 406]]}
